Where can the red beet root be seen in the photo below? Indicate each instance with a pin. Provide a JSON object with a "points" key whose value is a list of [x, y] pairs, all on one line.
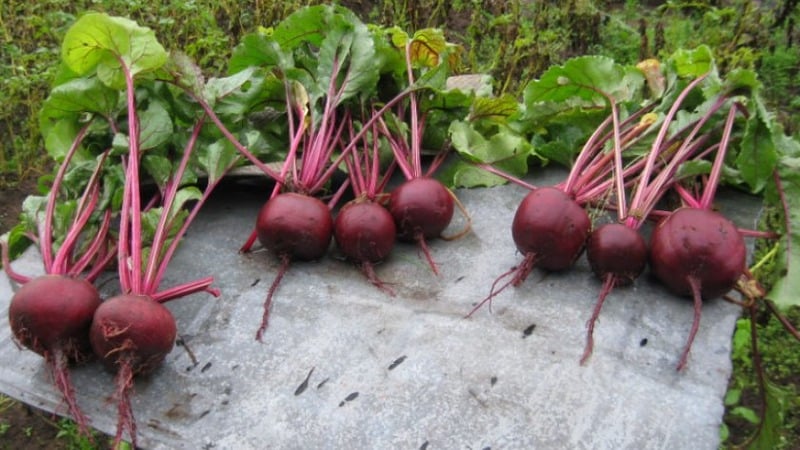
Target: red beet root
{"points": [[421, 206], [552, 227], [618, 250], [694, 245], [550, 230], [292, 226], [54, 311], [51, 316], [133, 330], [697, 253], [365, 231], [617, 254], [295, 225], [132, 335]]}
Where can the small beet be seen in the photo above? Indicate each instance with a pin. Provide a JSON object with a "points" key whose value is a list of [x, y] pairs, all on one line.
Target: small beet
{"points": [[421, 206], [617, 249], [617, 254], [365, 233]]}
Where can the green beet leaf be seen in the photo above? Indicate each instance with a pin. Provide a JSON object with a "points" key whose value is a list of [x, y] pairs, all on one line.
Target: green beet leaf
{"points": [[582, 82], [110, 46], [786, 291]]}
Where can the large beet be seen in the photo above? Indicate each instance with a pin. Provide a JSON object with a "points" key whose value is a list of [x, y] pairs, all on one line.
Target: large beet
{"points": [[133, 330], [699, 253], [51, 315], [696, 245]]}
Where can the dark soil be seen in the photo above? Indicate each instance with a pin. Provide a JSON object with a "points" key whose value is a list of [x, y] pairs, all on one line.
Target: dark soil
{"points": [[22, 426], [11, 198]]}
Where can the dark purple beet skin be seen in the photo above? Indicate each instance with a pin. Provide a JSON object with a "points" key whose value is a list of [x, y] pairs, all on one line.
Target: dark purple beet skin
{"points": [[551, 226], [364, 231], [295, 225], [616, 249], [421, 206], [698, 244], [134, 330], [54, 311]]}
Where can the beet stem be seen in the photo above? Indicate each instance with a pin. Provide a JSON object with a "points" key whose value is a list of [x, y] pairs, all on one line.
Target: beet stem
{"points": [[783, 320], [761, 379], [609, 280], [285, 261], [698, 306], [467, 218], [250, 241], [6, 260], [46, 233]]}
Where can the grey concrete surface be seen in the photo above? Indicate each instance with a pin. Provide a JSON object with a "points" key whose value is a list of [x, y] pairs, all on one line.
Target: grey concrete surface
{"points": [[343, 365]]}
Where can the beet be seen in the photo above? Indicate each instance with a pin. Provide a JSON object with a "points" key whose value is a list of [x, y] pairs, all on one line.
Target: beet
{"points": [[696, 245], [617, 254], [551, 227], [132, 335], [51, 316], [132, 330], [54, 311], [698, 253], [364, 231], [618, 250], [295, 225], [421, 207]]}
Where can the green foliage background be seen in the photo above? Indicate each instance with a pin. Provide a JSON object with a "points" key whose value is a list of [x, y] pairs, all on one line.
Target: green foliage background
{"points": [[515, 41]]}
